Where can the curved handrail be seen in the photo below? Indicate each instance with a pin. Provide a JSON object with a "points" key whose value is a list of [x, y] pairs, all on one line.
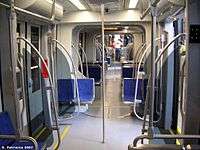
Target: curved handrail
{"points": [[165, 48], [168, 45], [86, 60], [139, 55], [139, 51], [136, 55], [79, 57], [99, 48], [85, 55], [137, 78], [52, 88], [23, 103], [74, 71]]}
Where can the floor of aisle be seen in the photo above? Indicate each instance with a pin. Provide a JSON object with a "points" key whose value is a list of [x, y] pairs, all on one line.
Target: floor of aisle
{"points": [[85, 132]]}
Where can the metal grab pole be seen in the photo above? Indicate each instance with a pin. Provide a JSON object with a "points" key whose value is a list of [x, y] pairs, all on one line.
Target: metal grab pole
{"points": [[145, 13], [13, 42], [52, 88], [153, 50], [28, 12], [103, 73], [53, 10]]}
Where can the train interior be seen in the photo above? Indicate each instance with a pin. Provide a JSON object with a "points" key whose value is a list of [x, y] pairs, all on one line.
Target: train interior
{"points": [[100, 74]]}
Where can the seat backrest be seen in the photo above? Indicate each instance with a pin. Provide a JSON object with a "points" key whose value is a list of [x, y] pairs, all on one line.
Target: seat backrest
{"points": [[65, 90], [129, 89], [86, 89], [127, 72], [95, 72]]}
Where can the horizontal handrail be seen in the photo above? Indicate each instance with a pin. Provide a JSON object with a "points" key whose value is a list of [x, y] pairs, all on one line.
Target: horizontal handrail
{"points": [[164, 136]]}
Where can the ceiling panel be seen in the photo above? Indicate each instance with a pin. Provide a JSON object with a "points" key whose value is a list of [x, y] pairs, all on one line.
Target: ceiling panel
{"points": [[94, 5], [68, 6], [110, 5], [99, 2]]}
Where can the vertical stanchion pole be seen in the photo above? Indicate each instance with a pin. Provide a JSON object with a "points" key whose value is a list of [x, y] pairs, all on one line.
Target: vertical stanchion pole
{"points": [[153, 50], [103, 72], [13, 47], [187, 26]]}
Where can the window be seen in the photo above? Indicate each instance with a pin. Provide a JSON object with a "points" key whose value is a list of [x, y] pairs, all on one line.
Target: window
{"points": [[18, 68], [35, 69]]}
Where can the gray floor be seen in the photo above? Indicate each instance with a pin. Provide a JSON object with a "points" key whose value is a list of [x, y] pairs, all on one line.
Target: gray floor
{"points": [[86, 132]]}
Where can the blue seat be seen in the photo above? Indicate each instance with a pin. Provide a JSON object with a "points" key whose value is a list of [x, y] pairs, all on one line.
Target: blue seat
{"points": [[129, 89], [6, 128], [66, 91], [129, 71], [95, 72], [86, 90]]}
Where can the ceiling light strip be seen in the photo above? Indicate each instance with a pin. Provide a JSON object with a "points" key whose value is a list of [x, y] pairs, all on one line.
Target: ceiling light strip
{"points": [[132, 3], [78, 4]]}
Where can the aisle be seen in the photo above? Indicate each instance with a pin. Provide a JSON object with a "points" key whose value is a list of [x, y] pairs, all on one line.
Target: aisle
{"points": [[85, 132]]}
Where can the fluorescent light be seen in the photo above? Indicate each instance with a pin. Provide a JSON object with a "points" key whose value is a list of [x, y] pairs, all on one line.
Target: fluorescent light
{"points": [[132, 3], [78, 4], [111, 28], [126, 27]]}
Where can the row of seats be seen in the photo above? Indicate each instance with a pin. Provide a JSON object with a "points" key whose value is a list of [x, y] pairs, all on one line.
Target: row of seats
{"points": [[86, 87]]}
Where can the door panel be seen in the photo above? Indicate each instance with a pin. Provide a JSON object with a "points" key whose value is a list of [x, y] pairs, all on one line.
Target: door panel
{"points": [[36, 110]]}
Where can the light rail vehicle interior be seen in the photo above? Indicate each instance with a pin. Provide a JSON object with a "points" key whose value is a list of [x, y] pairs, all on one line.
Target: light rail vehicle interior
{"points": [[100, 74]]}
